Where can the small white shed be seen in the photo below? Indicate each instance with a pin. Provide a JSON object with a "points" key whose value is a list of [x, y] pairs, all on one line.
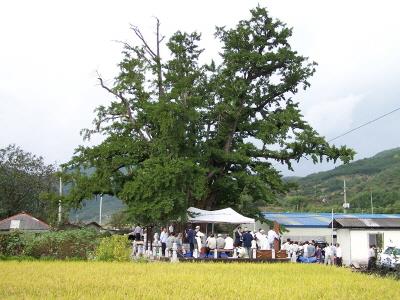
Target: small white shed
{"points": [[23, 222], [355, 236]]}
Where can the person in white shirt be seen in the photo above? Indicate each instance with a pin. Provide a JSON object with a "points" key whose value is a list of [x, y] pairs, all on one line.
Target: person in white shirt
{"points": [[294, 248], [328, 255], [258, 236], [229, 243], [199, 238], [211, 243], [171, 240], [272, 235], [305, 249], [263, 241], [338, 256], [220, 242], [163, 240], [285, 245]]}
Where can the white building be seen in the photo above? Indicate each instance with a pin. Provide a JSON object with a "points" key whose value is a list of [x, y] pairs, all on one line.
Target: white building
{"points": [[314, 226], [355, 235]]}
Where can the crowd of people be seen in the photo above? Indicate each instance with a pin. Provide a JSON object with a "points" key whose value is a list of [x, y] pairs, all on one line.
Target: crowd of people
{"points": [[201, 245], [312, 251], [194, 243], [197, 240]]}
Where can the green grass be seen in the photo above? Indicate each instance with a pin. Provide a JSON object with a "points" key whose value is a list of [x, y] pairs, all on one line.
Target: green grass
{"points": [[107, 280]]}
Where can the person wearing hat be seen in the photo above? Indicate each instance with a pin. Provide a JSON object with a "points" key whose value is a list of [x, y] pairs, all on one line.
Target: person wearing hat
{"points": [[199, 236], [220, 242]]}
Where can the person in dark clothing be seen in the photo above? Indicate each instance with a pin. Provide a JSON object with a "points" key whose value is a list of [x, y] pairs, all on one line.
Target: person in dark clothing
{"points": [[190, 234], [371, 257], [247, 238], [238, 237], [138, 231]]}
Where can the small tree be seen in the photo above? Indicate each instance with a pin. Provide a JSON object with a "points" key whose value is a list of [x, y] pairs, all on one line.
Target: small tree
{"points": [[23, 178], [180, 134]]}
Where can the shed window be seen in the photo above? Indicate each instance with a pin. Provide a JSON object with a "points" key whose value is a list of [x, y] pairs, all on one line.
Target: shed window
{"points": [[15, 224], [376, 239]]}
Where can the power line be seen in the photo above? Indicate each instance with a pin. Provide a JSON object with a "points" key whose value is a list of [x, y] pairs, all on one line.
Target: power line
{"points": [[365, 124]]}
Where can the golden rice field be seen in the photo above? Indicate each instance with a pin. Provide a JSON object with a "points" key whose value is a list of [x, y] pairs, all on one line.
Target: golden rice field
{"points": [[107, 280]]}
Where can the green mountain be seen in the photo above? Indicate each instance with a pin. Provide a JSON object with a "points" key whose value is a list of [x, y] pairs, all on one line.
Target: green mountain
{"points": [[378, 175], [91, 209]]}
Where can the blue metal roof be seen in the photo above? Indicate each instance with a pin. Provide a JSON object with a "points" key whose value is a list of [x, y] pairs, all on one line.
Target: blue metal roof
{"points": [[317, 220]]}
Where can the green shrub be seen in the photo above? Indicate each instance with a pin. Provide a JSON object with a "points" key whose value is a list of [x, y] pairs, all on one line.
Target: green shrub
{"points": [[68, 244], [113, 248], [14, 243]]}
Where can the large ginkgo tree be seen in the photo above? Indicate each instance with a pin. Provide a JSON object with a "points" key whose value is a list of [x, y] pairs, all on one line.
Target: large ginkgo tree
{"points": [[179, 133]]}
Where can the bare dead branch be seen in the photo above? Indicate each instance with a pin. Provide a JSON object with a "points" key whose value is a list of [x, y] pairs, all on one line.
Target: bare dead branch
{"points": [[158, 61], [138, 53], [124, 102], [139, 34], [155, 55]]}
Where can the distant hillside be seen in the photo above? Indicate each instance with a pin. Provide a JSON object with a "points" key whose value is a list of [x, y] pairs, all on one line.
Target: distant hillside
{"points": [[323, 191], [91, 208]]}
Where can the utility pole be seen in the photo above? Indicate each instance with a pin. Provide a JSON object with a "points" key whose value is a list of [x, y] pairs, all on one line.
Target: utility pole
{"points": [[59, 201], [372, 205], [101, 207], [345, 204]]}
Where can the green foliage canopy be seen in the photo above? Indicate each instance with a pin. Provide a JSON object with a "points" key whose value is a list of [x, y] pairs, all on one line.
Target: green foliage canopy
{"points": [[179, 133], [24, 177]]}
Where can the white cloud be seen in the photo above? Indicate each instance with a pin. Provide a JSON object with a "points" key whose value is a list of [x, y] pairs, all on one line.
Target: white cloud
{"points": [[51, 49], [333, 116]]}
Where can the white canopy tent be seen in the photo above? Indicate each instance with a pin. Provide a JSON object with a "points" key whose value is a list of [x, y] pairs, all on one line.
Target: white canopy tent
{"points": [[226, 215]]}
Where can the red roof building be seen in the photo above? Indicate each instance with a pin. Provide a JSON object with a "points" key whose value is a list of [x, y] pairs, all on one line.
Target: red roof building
{"points": [[23, 222]]}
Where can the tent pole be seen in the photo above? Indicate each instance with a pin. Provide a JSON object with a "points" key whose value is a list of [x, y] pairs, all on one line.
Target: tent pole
{"points": [[212, 228]]}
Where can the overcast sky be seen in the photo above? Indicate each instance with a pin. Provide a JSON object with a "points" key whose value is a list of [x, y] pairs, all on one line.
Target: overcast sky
{"points": [[50, 52]]}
